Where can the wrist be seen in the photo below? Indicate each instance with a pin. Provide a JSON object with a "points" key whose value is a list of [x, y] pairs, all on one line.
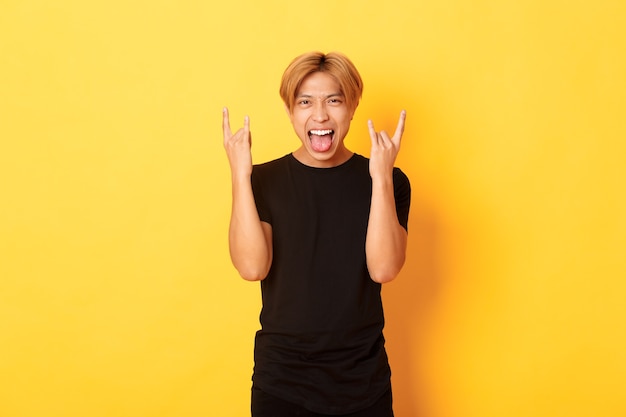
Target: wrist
{"points": [[383, 186], [240, 176], [382, 176]]}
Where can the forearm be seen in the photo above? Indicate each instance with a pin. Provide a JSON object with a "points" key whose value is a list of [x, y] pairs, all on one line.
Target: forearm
{"points": [[385, 245], [249, 238]]}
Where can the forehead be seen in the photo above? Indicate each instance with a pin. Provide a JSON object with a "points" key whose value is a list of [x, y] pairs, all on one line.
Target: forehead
{"points": [[319, 83]]}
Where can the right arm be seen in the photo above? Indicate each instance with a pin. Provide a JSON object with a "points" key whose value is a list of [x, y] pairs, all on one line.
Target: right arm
{"points": [[249, 239]]}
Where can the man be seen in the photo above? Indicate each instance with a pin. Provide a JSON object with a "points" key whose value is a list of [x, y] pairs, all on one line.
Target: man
{"points": [[322, 228]]}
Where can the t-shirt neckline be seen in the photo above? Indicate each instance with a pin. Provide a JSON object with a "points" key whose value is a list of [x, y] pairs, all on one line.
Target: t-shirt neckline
{"points": [[347, 162]]}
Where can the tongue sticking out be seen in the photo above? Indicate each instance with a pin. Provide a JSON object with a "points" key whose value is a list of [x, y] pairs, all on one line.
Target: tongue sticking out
{"points": [[321, 143]]}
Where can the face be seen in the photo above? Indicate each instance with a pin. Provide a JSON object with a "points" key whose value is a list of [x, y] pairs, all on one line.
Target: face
{"points": [[321, 120]]}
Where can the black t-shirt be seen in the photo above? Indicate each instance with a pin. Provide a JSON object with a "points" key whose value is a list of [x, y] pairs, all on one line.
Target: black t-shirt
{"points": [[321, 343]]}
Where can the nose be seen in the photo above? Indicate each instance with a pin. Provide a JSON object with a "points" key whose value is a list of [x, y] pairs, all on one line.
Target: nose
{"points": [[319, 112]]}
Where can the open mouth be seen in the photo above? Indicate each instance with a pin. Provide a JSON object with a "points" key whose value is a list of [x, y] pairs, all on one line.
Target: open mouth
{"points": [[321, 140]]}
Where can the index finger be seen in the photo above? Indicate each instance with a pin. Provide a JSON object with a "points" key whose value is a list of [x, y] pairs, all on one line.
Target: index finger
{"points": [[373, 134], [226, 123]]}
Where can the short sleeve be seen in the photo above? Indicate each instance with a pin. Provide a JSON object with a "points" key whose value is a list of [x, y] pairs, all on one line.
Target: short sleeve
{"points": [[259, 198], [402, 194]]}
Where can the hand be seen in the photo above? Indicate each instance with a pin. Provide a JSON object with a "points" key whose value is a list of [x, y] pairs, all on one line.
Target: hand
{"points": [[238, 146], [385, 149]]}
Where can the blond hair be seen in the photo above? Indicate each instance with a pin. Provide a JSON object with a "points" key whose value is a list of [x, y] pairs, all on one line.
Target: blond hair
{"points": [[335, 64]]}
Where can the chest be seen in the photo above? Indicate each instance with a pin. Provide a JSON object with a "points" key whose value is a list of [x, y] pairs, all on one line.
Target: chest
{"points": [[320, 202]]}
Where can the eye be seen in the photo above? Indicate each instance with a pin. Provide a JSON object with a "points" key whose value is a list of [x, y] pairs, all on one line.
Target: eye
{"points": [[303, 102], [334, 101]]}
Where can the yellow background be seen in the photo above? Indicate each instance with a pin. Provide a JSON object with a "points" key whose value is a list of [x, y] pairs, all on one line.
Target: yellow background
{"points": [[117, 297]]}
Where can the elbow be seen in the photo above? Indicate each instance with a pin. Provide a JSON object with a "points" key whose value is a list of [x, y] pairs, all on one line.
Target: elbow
{"points": [[251, 268], [385, 273], [253, 271], [383, 277], [253, 274], [248, 276]]}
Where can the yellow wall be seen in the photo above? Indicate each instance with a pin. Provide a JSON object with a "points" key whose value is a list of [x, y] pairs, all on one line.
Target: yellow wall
{"points": [[117, 297]]}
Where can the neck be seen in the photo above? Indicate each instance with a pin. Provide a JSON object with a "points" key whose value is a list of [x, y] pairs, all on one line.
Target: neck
{"points": [[340, 156]]}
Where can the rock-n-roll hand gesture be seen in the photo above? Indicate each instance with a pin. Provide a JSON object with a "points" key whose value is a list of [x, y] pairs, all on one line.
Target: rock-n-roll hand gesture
{"points": [[384, 148], [238, 146]]}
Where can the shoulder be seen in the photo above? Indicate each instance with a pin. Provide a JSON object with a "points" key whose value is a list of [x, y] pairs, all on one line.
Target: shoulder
{"points": [[361, 160], [283, 160], [401, 183], [270, 167], [399, 176]]}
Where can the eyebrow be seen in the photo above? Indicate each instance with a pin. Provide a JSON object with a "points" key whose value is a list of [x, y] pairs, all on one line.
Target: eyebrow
{"points": [[328, 96]]}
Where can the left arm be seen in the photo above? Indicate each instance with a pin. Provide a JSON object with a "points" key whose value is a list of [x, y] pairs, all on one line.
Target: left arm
{"points": [[386, 240]]}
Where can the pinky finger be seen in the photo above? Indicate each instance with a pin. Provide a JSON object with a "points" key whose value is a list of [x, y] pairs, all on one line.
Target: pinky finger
{"points": [[400, 127], [246, 124]]}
